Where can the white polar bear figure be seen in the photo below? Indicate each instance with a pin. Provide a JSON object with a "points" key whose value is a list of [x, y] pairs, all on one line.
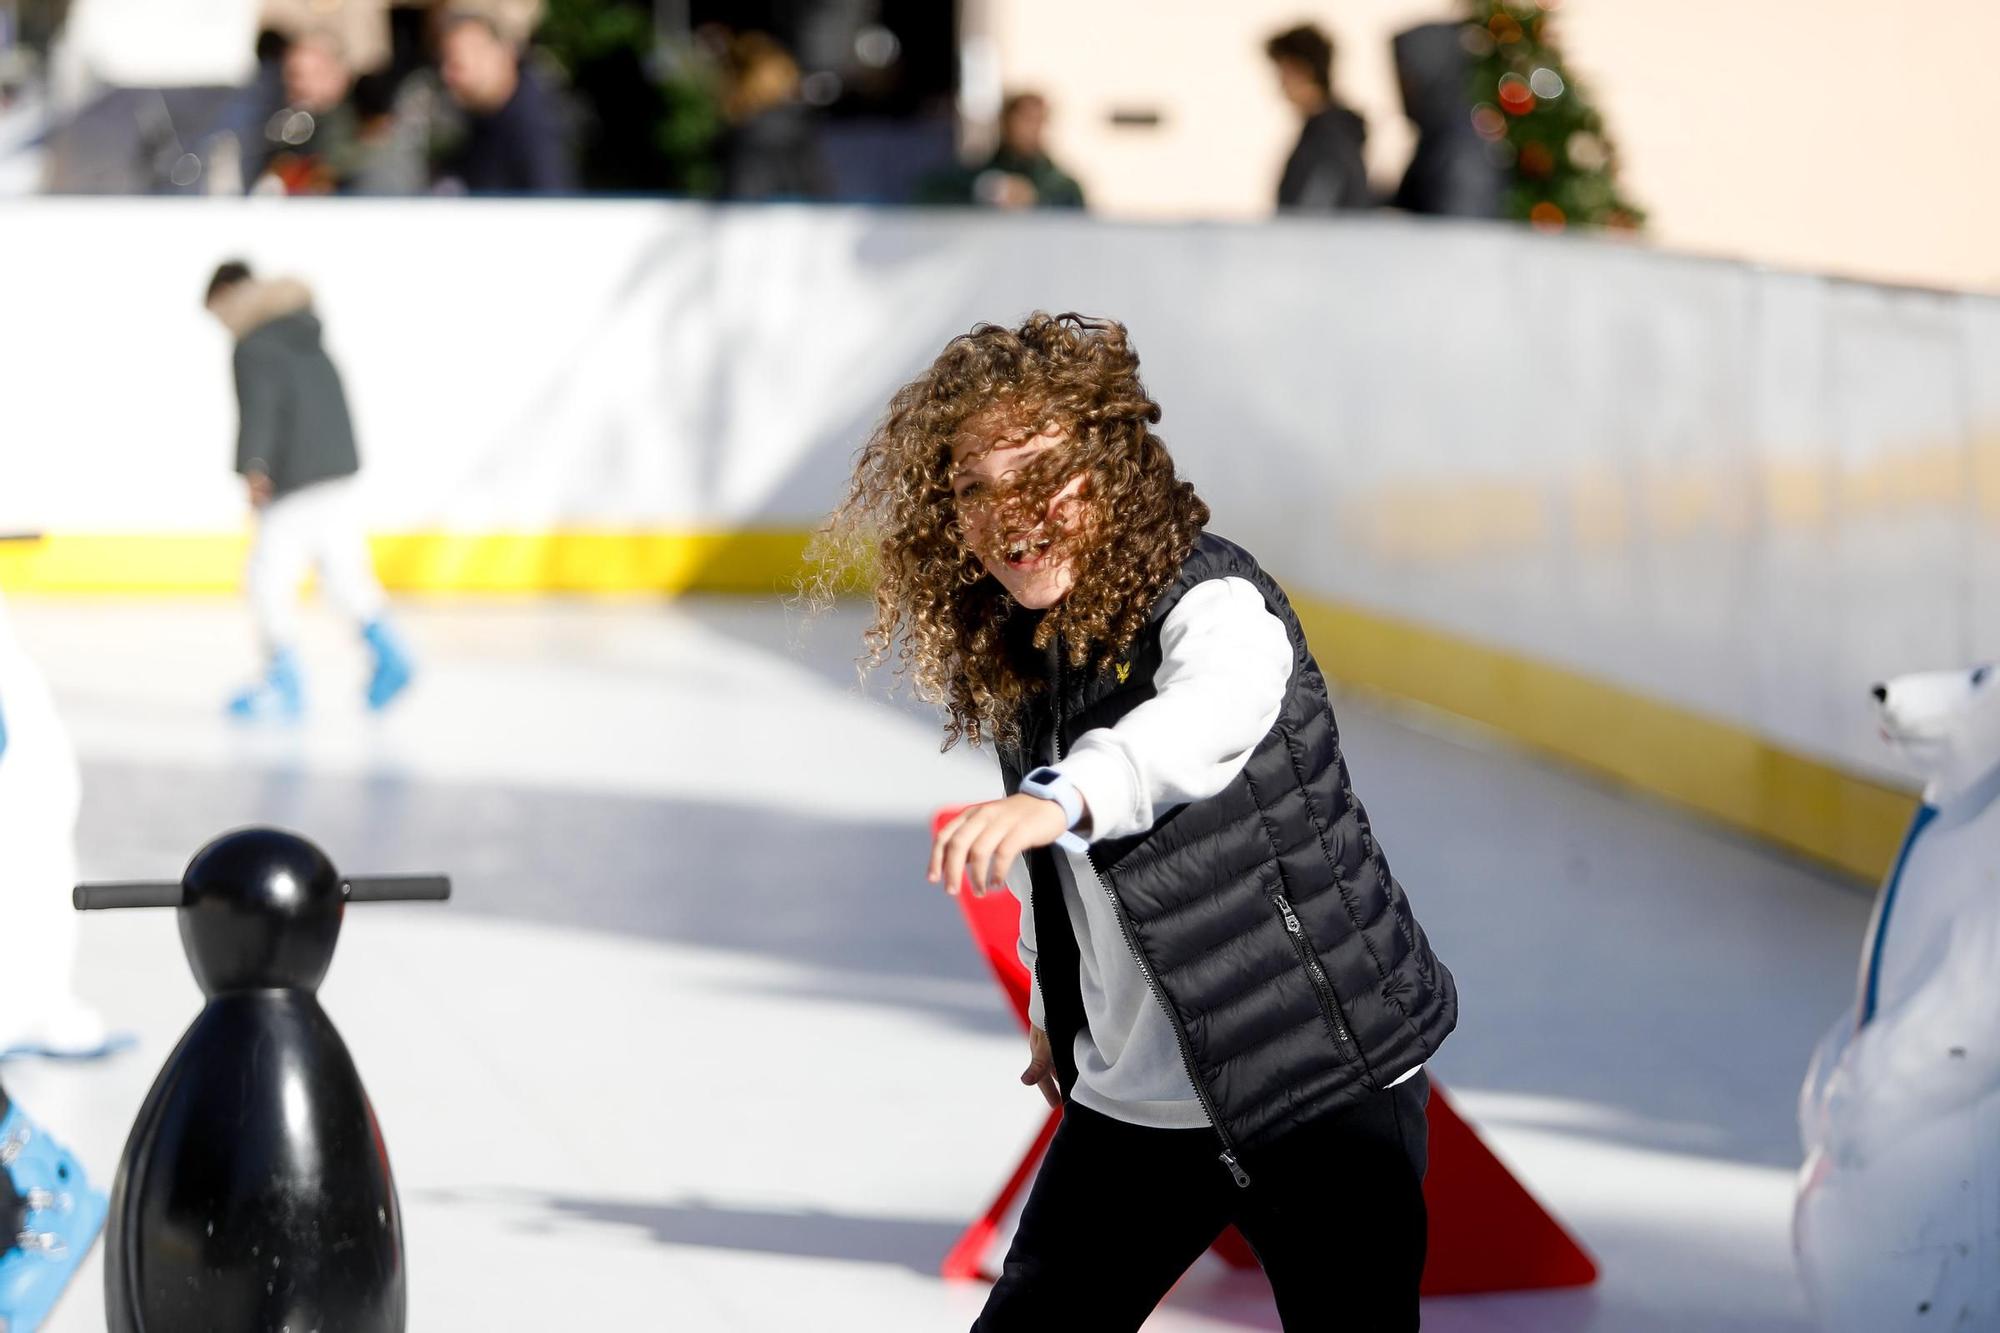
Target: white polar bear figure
{"points": [[39, 794], [1897, 1221]]}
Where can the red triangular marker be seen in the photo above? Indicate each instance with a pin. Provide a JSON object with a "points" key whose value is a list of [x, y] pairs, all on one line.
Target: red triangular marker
{"points": [[1487, 1233]]}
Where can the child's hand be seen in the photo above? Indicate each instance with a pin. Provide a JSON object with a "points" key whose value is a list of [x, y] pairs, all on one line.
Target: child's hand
{"points": [[984, 840], [1041, 1070]]}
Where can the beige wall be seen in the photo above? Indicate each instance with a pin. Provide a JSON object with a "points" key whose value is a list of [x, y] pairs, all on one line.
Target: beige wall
{"points": [[1840, 135]]}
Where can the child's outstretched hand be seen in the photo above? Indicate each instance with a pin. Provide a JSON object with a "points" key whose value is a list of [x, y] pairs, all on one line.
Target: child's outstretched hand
{"points": [[984, 840]]}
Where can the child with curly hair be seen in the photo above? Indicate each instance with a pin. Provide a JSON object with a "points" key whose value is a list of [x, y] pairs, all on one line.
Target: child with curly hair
{"points": [[1233, 1001]]}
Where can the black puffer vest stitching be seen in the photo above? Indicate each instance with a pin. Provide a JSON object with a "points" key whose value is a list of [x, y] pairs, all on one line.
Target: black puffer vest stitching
{"points": [[1265, 916]]}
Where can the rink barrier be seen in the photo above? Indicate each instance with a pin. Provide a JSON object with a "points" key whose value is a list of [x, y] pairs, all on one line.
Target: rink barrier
{"points": [[1672, 753]]}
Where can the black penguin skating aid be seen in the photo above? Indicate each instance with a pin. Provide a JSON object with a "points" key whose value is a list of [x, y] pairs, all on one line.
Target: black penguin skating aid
{"points": [[254, 1191]]}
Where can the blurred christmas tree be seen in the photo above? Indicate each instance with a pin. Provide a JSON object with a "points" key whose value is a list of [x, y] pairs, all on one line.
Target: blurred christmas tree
{"points": [[1539, 123]]}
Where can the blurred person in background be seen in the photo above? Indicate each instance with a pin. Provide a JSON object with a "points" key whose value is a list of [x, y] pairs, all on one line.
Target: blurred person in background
{"points": [[771, 148], [49, 1214], [327, 113], [41, 791], [1325, 173], [296, 453], [314, 142], [1019, 174], [49, 1218], [514, 139], [360, 29], [393, 123], [1452, 172]]}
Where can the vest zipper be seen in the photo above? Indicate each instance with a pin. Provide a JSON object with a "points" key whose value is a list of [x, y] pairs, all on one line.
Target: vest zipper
{"points": [[1329, 1004], [1228, 1154]]}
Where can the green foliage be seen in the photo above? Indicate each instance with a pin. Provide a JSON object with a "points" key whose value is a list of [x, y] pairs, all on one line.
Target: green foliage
{"points": [[691, 126], [1540, 122], [653, 115], [577, 32]]}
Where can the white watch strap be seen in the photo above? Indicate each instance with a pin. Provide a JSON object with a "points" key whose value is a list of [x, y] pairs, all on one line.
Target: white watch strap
{"points": [[1051, 785]]}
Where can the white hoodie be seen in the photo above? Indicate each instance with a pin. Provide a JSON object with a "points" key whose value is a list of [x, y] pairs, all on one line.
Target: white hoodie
{"points": [[1225, 661]]}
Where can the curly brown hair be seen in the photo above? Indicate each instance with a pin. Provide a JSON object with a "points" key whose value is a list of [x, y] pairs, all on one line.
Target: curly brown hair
{"points": [[899, 530]]}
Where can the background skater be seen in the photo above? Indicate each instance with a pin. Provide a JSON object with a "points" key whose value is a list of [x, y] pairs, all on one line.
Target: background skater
{"points": [[296, 452]]}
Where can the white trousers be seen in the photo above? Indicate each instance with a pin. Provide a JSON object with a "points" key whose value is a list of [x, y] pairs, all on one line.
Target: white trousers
{"points": [[317, 527]]}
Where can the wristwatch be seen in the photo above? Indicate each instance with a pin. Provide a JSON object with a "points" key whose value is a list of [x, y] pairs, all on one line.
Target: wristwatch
{"points": [[1051, 785]]}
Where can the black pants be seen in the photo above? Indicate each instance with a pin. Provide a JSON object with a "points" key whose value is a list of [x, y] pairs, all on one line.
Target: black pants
{"points": [[1334, 1210]]}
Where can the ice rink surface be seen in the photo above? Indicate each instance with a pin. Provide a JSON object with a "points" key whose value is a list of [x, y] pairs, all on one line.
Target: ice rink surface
{"points": [[695, 1047]]}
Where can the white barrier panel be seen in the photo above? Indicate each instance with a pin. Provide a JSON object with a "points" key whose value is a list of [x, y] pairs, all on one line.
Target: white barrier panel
{"points": [[1744, 492]]}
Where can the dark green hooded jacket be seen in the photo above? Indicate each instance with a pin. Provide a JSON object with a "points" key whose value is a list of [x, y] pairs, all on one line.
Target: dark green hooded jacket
{"points": [[294, 423]]}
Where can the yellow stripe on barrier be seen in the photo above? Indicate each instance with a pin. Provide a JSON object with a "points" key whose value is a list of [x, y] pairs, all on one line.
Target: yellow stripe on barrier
{"points": [[1718, 769], [750, 561], [589, 562], [1666, 751], [125, 563]]}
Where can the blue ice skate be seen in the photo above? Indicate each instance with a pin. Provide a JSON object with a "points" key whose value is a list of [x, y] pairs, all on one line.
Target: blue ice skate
{"points": [[393, 667], [279, 697], [52, 1218]]}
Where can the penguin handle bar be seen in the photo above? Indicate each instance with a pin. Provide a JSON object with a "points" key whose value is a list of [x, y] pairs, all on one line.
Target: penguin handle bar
{"points": [[396, 888], [127, 893], [169, 893]]}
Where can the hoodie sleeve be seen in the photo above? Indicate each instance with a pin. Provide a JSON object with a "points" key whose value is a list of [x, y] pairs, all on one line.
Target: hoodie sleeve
{"points": [[1225, 662], [260, 406], [1017, 884]]}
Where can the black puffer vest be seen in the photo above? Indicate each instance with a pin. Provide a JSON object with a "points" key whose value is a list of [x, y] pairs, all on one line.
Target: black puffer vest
{"points": [[1264, 917]]}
